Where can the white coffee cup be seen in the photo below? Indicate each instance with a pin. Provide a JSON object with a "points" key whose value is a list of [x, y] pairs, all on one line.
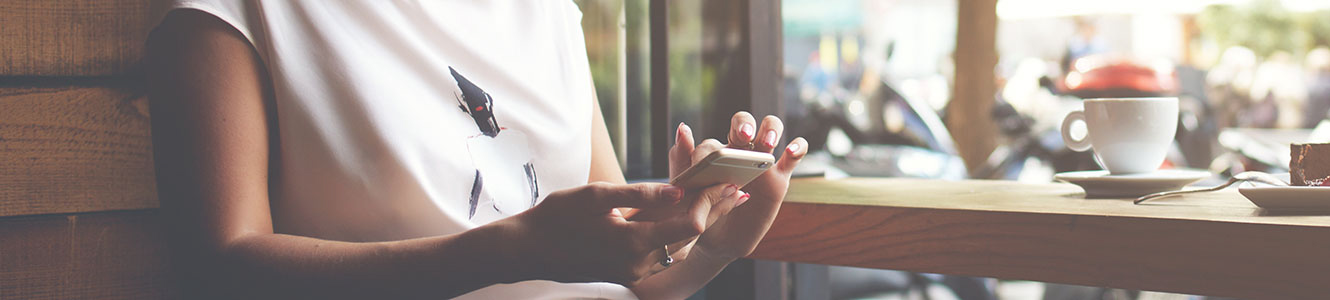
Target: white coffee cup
{"points": [[1129, 135]]}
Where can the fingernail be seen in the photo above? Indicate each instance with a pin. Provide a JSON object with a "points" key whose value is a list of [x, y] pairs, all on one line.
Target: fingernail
{"points": [[742, 199], [794, 147], [683, 133], [672, 193], [771, 138], [746, 130], [729, 190]]}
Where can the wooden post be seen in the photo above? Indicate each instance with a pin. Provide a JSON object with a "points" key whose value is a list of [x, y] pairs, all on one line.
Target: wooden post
{"points": [[660, 88], [765, 63], [969, 113]]}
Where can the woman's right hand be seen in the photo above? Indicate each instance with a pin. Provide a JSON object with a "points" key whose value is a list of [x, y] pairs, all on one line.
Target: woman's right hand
{"points": [[578, 235]]}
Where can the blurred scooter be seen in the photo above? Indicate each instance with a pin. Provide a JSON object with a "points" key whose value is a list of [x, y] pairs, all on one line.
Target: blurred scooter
{"points": [[880, 134]]}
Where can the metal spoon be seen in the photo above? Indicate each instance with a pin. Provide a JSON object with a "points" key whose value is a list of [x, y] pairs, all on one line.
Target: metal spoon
{"points": [[1261, 177]]}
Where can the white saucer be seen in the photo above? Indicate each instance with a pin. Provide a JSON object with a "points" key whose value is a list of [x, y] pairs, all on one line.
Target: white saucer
{"points": [[1100, 184], [1287, 198]]}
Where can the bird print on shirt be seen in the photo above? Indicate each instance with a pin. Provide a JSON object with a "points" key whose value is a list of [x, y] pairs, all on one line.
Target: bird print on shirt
{"points": [[505, 181]]}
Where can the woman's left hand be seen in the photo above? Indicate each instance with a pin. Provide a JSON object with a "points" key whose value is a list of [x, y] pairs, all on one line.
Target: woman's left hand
{"points": [[736, 233]]}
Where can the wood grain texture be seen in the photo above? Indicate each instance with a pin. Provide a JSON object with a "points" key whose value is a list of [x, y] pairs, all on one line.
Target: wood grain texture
{"points": [[74, 149], [117, 255], [1210, 244], [72, 37]]}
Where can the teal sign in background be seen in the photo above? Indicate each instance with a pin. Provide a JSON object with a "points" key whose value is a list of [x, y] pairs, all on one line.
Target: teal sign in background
{"points": [[813, 17]]}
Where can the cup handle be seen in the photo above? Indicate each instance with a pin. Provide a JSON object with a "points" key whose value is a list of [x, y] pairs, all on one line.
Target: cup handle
{"points": [[1075, 145]]}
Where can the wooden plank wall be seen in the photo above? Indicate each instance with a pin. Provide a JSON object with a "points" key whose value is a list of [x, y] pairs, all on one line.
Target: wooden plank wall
{"points": [[78, 202], [72, 149], [72, 37], [117, 255]]}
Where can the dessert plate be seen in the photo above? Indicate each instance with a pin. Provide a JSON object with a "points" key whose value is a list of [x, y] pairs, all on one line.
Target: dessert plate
{"points": [[1287, 198], [1101, 184]]}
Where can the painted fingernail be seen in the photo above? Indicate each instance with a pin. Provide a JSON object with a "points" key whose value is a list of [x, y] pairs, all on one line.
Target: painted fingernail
{"points": [[742, 199], [794, 147], [746, 130], [674, 194], [771, 138], [729, 191]]}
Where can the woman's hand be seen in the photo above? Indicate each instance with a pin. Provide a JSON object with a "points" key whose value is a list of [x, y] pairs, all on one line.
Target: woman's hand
{"points": [[734, 233], [735, 223], [702, 206], [578, 234]]}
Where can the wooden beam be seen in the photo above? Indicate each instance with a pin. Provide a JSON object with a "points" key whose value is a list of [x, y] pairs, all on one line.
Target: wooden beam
{"points": [[766, 67], [116, 255], [74, 149], [72, 37], [969, 114], [660, 126], [749, 69]]}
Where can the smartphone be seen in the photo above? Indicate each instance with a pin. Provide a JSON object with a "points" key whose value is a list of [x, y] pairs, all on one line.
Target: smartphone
{"points": [[733, 166]]}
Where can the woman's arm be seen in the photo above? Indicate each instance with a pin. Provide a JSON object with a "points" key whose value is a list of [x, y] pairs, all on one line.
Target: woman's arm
{"points": [[604, 165], [212, 106]]}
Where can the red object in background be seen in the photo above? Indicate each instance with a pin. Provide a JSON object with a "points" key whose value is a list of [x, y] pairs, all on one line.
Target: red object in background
{"points": [[1099, 76]]}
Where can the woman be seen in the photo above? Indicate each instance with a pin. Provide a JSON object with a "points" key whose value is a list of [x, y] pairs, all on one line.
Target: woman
{"points": [[422, 149]]}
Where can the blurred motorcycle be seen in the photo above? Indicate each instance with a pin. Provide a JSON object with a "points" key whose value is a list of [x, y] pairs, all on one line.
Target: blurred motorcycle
{"points": [[880, 134]]}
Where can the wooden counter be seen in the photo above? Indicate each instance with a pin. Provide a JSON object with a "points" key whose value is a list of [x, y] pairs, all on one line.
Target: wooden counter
{"points": [[1215, 244]]}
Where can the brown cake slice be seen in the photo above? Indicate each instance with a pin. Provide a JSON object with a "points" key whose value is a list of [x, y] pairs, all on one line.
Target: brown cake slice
{"points": [[1310, 165]]}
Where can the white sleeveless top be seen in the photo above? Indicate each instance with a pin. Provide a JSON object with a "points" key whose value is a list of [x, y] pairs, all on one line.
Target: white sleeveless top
{"points": [[406, 119]]}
